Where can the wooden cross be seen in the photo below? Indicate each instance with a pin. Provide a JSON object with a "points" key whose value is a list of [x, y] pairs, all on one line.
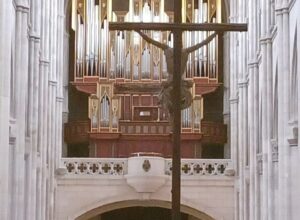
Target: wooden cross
{"points": [[177, 28]]}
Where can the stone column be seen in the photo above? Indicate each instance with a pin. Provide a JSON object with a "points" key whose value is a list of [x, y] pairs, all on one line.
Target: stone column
{"points": [[264, 112], [283, 67], [226, 99], [59, 88], [21, 91], [243, 120], [234, 102], [33, 105], [44, 107], [60, 77], [233, 93], [52, 106], [5, 66], [253, 109], [65, 86], [298, 69], [66, 58], [269, 101]]}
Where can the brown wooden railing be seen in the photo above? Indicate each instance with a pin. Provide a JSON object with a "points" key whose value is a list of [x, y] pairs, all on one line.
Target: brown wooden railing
{"points": [[211, 132], [76, 131]]}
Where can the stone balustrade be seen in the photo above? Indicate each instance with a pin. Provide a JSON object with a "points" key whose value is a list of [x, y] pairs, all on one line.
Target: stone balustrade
{"points": [[95, 166], [119, 166], [197, 167]]}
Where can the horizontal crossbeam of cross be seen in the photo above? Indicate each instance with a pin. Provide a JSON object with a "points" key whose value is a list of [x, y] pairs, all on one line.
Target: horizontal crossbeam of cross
{"points": [[218, 27]]}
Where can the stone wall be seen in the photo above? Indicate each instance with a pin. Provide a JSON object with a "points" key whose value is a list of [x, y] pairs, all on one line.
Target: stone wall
{"points": [[32, 64]]}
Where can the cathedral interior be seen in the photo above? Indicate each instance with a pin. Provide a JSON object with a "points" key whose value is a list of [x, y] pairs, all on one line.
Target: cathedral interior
{"points": [[90, 128]]}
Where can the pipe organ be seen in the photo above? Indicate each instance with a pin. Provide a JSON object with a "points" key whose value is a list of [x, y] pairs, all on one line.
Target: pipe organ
{"points": [[125, 54], [122, 73]]}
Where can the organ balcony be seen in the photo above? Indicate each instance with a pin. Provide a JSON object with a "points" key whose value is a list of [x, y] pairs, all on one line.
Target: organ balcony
{"points": [[135, 136]]}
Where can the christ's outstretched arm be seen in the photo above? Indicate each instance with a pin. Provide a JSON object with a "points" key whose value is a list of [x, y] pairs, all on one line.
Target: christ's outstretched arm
{"points": [[151, 41], [201, 44]]}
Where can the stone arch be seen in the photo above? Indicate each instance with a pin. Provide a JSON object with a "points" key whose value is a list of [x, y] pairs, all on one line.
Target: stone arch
{"points": [[196, 210], [145, 203]]}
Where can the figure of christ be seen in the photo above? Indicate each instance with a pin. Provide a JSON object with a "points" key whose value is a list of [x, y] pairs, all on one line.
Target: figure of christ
{"points": [[165, 94]]}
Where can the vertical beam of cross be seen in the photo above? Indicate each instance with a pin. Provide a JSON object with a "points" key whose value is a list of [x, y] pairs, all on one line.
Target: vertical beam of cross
{"points": [[178, 27], [176, 157]]}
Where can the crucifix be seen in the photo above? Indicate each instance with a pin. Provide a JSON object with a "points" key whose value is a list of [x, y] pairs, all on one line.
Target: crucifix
{"points": [[185, 99], [178, 55]]}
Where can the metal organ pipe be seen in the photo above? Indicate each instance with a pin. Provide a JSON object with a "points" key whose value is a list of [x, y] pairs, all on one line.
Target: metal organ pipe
{"points": [[78, 47], [105, 111], [156, 54], [89, 36], [120, 54], [200, 38], [127, 65], [92, 37], [103, 46], [186, 119], [204, 36], [164, 67], [101, 71], [96, 44], [196, 39], [189, 71], [212, 56], [87, 41], [146, 59], [112, 63], [117, 46], [190, 116], [105, 42], [147, 62], [143, 63]]}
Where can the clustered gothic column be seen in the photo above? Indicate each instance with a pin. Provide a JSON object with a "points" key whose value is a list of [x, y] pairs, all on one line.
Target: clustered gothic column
{"points": [[43, 109], [226, 98], [5, 65], [283, 66], [266, 41], [253, 104], [32, 64], [263, 140], [255, 114], [242, 84], [19, 152], [52, 105], [233, 71]]}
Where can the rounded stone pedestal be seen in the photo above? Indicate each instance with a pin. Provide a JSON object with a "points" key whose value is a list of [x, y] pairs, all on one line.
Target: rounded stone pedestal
{"points": [[146, 174]]}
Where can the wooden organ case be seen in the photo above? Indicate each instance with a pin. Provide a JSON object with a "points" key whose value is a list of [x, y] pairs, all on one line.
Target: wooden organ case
{"points": [[122, 75]]}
